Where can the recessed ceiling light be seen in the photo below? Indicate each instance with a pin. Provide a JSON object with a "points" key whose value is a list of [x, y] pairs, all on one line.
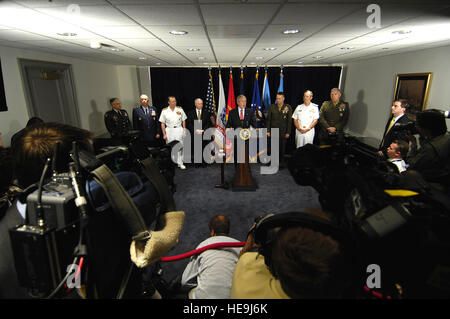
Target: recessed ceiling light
{"points": [[292, 31], [270, 49], [384, 48], [95, 45], [116, 49], [252, 63], [300, 62], [178, 32], [201, 58], [259, 58], [317, 57], [67, 34], [205, 63], [142, 58], [193, 49], [347, 48], [158, 63], [401, 32]]}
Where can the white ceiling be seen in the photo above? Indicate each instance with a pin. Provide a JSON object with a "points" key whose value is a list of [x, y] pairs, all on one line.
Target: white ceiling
{"points": [[225, 32]]}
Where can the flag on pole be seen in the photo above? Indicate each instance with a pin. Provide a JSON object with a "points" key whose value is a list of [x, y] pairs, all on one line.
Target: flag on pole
{"points": [[210, 103], [266, 93], [219, 135], [241, 86], [281, 86], [257, 109], [256, 101], [231, 103]]}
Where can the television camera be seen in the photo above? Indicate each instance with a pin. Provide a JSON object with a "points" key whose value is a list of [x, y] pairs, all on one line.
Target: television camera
{"points": [[398, 221], [80, 223]]}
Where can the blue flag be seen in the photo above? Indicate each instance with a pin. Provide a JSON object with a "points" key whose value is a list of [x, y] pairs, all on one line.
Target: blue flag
{"points": [[280, 87], [266, 94], [256, 102]]}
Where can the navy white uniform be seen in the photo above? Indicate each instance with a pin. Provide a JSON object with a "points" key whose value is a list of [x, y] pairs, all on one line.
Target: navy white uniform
{"points": [[173, 119], [305, 115]]}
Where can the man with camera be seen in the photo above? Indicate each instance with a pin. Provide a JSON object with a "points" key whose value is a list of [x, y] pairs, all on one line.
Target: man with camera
{"points": [[390, 134], [432, 159], [30, 151]]}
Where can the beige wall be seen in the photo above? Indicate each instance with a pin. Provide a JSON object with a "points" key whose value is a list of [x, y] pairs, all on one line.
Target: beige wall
{"points": [[369, 86], [95, 84]]}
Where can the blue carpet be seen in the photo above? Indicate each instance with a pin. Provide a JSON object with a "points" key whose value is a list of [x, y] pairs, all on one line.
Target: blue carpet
{"points": [[197, 197]]}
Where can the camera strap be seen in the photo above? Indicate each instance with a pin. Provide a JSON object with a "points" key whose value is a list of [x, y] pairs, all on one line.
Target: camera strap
{"points": [[121, 202], [151, 171]]}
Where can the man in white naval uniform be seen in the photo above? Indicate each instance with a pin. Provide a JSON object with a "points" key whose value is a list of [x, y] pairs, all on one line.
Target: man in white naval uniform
{"points": [[305, 118], [173, 125]]}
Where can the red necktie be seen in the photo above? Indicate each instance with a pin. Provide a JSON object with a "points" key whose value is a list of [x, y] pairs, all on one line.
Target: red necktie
{"points": [[242, 115]]}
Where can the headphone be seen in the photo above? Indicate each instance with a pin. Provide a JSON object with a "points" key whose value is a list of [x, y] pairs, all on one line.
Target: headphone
{"points": [[265, 231]]}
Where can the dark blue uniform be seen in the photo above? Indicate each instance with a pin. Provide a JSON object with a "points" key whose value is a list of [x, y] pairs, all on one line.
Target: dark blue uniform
{"points": [[147, 124]]}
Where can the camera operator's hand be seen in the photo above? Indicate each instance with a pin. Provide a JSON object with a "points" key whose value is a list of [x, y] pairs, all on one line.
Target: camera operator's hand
{"points": [[250, 244], [380, 153], [331, 129]]}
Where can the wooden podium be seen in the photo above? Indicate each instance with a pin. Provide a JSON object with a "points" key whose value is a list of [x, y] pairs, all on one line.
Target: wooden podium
{"points": [[243, 180]]}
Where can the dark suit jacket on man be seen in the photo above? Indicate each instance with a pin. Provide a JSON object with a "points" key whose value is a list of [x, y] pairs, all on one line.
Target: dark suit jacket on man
{"points": [[148, 124], [192, 117], [234, 120], [9, 285], [393, 135]]}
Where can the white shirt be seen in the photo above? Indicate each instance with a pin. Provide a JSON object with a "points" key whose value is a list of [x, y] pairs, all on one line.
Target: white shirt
{"points": [[305, 115], [172, 118], [213, 269], [401, 165]]}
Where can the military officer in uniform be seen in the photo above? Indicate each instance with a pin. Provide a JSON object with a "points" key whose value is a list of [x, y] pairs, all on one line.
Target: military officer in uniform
{"points": [[116, 120], [333, 116], [305, 118], [173, 126], [145, 120], [279, 116]]}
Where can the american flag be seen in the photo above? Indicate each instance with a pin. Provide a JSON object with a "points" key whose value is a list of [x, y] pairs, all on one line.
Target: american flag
{"points": [[210, 104]]}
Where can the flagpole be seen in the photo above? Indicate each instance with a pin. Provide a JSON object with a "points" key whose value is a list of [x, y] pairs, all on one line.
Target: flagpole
{"points": [[222, 183]]}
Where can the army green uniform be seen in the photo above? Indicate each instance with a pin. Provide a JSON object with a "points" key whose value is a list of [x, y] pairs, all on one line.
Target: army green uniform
{"points": [[332, 115], [117, 123], [281, 118]]}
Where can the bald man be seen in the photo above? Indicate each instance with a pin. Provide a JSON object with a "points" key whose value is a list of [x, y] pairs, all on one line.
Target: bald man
{"points": [[145, 120]]}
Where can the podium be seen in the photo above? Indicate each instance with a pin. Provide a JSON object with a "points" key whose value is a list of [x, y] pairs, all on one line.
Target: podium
{"points": [[243, 180]]}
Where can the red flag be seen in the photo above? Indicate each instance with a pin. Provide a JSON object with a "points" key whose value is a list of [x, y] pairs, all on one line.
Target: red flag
{"points": [[231, 103]]}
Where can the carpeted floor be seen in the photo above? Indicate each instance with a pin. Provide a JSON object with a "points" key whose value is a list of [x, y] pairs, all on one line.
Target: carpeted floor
{"points": [[198, 198]]}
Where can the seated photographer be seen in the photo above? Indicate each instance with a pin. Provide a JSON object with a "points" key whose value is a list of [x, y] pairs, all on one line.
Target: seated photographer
{"points": [[30, 151], [304, 264], [396, 152], [212, 269], [433, 157]]}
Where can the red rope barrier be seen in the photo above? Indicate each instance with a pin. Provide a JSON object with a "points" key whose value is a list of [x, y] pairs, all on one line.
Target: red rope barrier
{"points": [[202, 249]]}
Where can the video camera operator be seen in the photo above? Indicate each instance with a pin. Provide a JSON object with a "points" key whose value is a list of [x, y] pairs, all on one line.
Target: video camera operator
{"points": [[285, 257], [432, 159], [30, 151]]}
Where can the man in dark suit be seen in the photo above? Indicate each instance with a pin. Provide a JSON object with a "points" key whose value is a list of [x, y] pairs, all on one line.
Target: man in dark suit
{"points": [[240, 118], [116, 120], [398, 116], [145, 120], [202, 118]]}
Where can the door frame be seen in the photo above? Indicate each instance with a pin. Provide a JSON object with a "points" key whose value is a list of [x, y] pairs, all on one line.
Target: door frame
{"points": [[69, 85]]}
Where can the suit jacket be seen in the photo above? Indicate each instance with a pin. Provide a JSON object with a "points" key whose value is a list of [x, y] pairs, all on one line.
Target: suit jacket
{"points": [[9, 285], [234, 120], [192, 117], [148, 124], [393, 135]]}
